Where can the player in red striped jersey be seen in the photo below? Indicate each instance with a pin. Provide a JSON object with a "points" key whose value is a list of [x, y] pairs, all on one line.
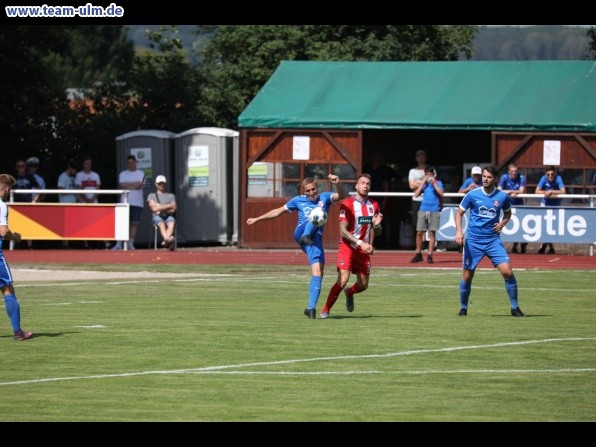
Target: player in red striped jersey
{"points": [[359, 222]]}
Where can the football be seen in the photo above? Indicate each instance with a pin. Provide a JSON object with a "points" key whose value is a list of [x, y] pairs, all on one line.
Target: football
{"points": [[317, 217]]}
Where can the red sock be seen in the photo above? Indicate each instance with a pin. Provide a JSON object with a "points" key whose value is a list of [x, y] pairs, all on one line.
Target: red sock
{"points": [[355, 288], [332, 297]]}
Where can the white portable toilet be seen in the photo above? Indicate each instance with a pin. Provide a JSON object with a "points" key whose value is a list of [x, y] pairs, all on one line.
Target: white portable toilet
{"points": [[207, 185]]}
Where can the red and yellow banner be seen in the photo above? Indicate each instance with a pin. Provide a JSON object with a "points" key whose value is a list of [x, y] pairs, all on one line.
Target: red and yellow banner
{"points": [[58, 221]]}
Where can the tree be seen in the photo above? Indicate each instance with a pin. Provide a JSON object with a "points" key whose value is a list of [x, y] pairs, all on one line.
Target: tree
{"points": [[238, 59], [31, 89], [38, 64], [165, 88], [591, 33]]}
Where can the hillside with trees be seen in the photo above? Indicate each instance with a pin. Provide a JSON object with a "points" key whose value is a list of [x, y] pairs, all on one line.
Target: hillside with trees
{"points": [[491, 43]]}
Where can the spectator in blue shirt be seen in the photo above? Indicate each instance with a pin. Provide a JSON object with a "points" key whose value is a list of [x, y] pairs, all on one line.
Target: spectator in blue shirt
{"points": [[472, 182], [429, 213], [512, 184], [551, 185]]}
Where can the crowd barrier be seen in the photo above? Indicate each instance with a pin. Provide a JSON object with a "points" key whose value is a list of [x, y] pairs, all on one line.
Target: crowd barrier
{"points": [[70, 221], [571, 224]]}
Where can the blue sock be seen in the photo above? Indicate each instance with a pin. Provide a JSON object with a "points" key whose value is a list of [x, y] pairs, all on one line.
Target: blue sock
{"points": [[314, 290], [13, 310], [511, 288], [464, 293]]}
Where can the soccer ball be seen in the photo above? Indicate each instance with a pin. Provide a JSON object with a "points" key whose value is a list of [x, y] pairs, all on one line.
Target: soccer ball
{"points": [[317, 217]]}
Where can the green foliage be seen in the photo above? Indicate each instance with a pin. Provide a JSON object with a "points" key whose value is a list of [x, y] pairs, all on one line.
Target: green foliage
{"points": [[230, 343], [591, 34], [234, 73], [31, 89], [165, 89], [552, 42]]}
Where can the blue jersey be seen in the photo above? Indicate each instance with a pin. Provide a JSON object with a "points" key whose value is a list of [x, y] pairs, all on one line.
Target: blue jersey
{"points": [[431, 200], [509, 184], [485, 212], [546, 185], [304, 206], [315, 253]]}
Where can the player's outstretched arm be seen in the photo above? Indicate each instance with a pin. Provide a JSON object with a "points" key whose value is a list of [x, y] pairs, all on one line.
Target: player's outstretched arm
{"points": [[276, 212]]}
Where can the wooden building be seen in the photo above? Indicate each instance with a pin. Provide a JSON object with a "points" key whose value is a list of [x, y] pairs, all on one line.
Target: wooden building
{"points": [[315, 118]]}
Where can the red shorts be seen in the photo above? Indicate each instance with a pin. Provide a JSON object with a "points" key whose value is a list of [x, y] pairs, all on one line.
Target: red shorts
{"points": [[353, 260]]}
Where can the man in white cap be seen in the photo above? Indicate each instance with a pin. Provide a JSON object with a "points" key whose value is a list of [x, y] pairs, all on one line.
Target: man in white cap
{"points": [[472, 182], [163, 206], [32, 166]]}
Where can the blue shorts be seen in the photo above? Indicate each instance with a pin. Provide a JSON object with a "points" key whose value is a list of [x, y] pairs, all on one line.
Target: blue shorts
{"points": [[157, 219], [315, 253], [5, 276], [135, 214], [476, 249]]}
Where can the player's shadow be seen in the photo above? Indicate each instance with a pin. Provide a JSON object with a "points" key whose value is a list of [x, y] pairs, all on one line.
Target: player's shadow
{"points": [[43, 334], [341, 317]]}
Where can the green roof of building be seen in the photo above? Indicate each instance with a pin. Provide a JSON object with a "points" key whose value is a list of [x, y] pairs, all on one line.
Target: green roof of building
{"points": [[506, 96]]}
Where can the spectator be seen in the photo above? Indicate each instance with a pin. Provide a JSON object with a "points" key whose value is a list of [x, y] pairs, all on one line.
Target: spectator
{"points": [[163, 206], [359, 223], [88, 180], [512, 183], [66, 180], [132, 179], [415, 179], [11, 303], [429, 214], [550, 185], [472, 182], [23, 180], [32, 166]]}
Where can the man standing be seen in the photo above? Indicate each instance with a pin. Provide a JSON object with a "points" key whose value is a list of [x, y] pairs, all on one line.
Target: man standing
{"points": [[430, 213], [415, 179], [13, 308], [512, 183], [358, 215], [32, 167], [88, 180], [24, 180], [551, 185], [66, 181], [313, 250], [132, 179], [484, 237]]}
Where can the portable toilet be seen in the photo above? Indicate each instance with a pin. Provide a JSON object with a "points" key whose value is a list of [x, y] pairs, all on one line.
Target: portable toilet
{"points": [[154, 150], [207, 164]]}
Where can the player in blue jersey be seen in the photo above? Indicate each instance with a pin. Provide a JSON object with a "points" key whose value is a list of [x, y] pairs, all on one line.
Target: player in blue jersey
{"points": [[13, 309], [484, 237], [313, 248]]}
